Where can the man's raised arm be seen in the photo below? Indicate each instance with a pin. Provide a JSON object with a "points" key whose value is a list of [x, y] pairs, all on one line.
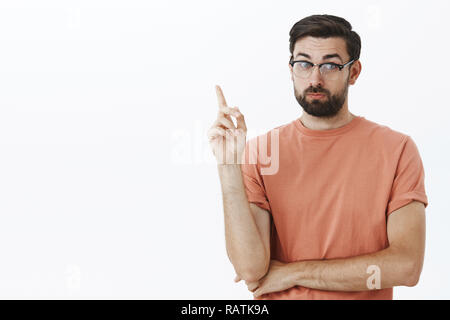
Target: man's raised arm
{"points": [[247, 232]]}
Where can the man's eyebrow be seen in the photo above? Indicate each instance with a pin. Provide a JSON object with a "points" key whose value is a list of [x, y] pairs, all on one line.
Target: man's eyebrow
{"points": [[327, 56]]}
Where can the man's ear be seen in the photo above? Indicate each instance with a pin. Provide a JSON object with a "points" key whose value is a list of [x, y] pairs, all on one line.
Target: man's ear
{"points": [[355, 71]]}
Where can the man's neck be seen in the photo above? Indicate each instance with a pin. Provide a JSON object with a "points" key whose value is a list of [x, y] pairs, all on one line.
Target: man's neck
{"points": [[317, 123]]}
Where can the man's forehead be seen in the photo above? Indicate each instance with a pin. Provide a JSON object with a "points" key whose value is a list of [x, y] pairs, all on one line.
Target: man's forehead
{"points": [[319, 47]]}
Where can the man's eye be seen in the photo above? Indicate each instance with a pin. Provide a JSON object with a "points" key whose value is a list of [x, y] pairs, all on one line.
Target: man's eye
{"points": [[304, 65], [329, 66]]}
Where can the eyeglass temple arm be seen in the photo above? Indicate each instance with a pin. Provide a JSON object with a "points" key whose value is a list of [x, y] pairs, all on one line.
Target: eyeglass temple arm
{"points": [[343, 66]]}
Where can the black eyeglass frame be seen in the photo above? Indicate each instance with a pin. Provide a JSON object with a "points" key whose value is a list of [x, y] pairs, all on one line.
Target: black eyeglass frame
{"points": [[340, 66]]}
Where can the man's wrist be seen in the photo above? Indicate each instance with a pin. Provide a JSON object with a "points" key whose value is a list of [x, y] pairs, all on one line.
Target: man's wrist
{"points": [[230, 173], [228, 166], [296, 272]]}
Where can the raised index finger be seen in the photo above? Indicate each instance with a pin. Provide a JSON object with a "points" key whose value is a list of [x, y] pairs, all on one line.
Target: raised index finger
{"points": [[220, 97]]}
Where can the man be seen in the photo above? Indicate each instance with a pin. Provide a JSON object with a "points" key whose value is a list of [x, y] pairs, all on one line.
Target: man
{"points": [[343, 214]]}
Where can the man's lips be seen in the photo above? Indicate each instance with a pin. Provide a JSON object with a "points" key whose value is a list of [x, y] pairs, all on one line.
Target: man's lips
{"points": [[316, 95]]}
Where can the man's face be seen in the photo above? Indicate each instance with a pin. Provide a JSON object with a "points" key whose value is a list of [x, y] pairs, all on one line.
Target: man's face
{"points": [[334, 92]]}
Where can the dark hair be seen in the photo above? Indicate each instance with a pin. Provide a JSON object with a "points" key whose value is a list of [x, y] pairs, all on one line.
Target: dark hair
{"points": [[325, 26]]}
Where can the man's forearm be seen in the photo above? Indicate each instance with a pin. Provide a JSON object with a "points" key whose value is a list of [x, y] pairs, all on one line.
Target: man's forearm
{"points": [[244, 244], [352, 274]]}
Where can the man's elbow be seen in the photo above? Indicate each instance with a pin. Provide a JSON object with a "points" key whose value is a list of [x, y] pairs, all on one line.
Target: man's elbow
{"points": [[413, 274], [255, 273]]}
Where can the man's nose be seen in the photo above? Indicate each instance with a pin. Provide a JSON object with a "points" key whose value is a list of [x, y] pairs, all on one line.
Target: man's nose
{"points": [[315, 78]]}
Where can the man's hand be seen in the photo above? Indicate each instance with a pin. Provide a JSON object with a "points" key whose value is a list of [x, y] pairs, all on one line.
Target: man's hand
{"points": [[226, 140], [278, 278]]}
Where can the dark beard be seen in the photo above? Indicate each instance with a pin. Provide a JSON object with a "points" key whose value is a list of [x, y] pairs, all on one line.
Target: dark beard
{"points": [[327, 108]]}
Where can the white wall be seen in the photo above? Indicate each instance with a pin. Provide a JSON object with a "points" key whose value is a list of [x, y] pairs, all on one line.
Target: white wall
{"points": [[108, 188]]}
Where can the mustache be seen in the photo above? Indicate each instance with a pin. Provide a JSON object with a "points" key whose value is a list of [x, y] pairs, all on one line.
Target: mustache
{"points": [[316, 90]]}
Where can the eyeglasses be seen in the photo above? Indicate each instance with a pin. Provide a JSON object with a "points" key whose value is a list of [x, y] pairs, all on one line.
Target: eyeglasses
{"points": [[328, 70]]}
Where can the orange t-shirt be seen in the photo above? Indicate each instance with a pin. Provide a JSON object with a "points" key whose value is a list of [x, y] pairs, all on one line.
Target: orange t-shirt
{"points": [[329, 192]]}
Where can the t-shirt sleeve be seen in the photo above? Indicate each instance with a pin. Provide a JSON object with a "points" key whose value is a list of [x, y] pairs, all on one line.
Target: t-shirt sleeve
{"points": [[253, 182], [409, 179]]}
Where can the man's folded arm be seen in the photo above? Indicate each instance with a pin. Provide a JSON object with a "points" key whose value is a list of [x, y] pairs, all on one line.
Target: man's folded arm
{"points": [[400, 264]]}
